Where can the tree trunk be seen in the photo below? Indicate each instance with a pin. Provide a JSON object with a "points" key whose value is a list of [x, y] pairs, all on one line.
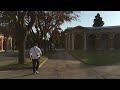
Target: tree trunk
{"points": [[50, 43], [45, 46], [13, 45], [48, 46], [40, 43], [21, 49], [21, 37]]}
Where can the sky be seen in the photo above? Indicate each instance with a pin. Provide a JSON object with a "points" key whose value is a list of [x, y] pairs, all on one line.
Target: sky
{"points": [[110, 18]]}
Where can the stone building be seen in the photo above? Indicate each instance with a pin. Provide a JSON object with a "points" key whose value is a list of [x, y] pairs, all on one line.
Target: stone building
{"points": [[5, 43], [92, 38]]}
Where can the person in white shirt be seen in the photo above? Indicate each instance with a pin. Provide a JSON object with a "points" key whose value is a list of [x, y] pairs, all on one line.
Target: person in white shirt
{"points": [[35, 54]]}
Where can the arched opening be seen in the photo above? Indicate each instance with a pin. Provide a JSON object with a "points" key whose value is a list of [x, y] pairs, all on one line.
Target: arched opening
{"points": [[9, 44], [4, 44], [117, 41], [104, 41], [91, 42], [78, 42]]}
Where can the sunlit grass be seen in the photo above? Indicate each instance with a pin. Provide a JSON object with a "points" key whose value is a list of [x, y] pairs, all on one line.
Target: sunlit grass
{"points": [[97, 57]]}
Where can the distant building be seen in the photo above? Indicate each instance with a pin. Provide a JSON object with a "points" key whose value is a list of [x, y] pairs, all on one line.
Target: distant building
{"points": [[5, 43], [92, 38]]}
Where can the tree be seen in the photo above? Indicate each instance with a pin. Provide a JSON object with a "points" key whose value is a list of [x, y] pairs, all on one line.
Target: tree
{"points": [[98, 21], [21, 22], [55, 37], [48, 21], [62, 39], [43, 21], [29, 41]]}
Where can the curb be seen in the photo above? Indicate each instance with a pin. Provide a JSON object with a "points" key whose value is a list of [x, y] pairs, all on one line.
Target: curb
{"points": [[43, 63]]}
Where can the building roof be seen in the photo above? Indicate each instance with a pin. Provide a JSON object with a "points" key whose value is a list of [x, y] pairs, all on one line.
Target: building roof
{"points": [[95, 29], [104, 27], [75, 28]]}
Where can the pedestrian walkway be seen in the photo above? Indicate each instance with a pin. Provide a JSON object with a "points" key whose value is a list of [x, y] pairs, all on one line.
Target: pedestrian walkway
{"points": [[61, 65]]}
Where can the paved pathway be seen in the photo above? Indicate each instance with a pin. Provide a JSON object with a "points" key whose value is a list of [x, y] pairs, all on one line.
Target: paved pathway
{"points": [[63, 66]]}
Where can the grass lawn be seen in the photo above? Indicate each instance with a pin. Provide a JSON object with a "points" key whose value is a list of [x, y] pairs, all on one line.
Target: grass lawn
{"points": [[97, 57], [14, 65]]}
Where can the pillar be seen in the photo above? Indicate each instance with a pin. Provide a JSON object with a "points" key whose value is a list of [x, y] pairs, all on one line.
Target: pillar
{"points": [[2, 44], [85, 41], [65, 41], [10, 43], [7, 44], [111, 47], [97, 43], [110, 41], [69, 41], [72, 41]]}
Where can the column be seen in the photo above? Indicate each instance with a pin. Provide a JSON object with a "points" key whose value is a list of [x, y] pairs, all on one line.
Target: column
{"points": [[7, 44], [66, 41], [69, 41], [85, 41], [72, 41], [97, 43], [10, 43], [2, 44], [111, 43]]}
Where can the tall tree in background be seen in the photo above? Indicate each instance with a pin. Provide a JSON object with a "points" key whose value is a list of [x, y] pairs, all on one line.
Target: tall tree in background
{"points": [[62, 39], [29, 41], [98, 21], [55, 37]]}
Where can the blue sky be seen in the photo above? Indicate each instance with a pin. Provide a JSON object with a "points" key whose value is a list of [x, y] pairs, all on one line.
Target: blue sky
{"points": [[110, 18]]}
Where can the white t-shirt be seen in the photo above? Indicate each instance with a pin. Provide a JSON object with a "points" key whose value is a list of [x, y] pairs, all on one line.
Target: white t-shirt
{"points": [[34, 51]]}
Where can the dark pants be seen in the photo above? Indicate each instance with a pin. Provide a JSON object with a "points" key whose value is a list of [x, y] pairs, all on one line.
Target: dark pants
{"points": [[35, 64]]}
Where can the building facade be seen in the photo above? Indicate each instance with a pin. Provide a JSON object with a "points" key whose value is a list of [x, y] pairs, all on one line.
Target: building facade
{"points": [[5, 43], [92, 38]]}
